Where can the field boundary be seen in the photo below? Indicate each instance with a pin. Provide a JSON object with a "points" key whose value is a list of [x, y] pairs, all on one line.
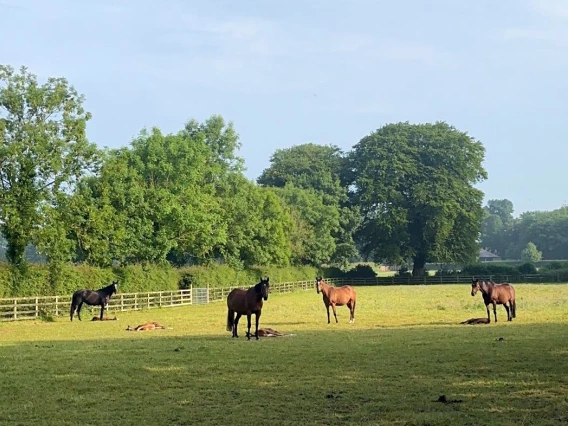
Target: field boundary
{"points": [[35, 307]]}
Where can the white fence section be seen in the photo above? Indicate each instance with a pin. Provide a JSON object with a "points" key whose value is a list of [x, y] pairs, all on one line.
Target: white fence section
{"points": [[25, 308]]}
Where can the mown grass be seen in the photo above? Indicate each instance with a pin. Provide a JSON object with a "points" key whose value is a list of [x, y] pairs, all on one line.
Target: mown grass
{"points": [[404, 351]]}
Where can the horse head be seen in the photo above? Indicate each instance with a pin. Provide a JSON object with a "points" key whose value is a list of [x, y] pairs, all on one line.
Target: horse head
{"points": [[115, 286], [319, 280], [475, 286], [262, 288]]}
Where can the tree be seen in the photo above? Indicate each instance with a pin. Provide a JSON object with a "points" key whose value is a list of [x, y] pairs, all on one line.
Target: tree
{"points": [[312, 235], [43, 151], [530, 253], [501, 208], [415, 184], [319, 168], [258, 227]]}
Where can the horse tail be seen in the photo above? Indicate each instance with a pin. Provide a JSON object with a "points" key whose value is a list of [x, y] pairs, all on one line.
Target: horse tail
{"points": [[74, 303], [230, 319]]}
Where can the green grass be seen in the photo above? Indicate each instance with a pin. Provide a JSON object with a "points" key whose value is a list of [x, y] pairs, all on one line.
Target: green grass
{"points": [[404, 351]]}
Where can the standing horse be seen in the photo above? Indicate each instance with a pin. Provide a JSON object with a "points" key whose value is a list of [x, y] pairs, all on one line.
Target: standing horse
{"points": [[246, 302], [337, 296], [93, 298], [496, 294]]}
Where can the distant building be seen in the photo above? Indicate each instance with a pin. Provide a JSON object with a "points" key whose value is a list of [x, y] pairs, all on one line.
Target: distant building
{"points": [[487, 256]]}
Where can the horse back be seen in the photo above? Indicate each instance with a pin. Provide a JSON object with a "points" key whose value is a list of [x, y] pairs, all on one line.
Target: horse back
{"points": [[236, 299], [342, 295]]}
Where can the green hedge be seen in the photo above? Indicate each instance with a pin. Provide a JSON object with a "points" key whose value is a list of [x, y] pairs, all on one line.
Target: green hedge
{"points": [[45, 280], [224, 276]]}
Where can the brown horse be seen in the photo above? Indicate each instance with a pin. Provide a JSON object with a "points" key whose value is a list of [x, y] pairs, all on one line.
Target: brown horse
{"points": [[246, 302], [496, 294], [337, 296], [146, 327]]}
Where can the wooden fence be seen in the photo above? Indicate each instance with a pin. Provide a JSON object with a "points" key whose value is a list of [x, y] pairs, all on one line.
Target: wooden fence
{"points": [[24, 308]]}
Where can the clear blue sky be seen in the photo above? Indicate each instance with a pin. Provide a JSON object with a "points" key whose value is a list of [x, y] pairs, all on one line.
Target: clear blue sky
{"points": [[323, 71]]}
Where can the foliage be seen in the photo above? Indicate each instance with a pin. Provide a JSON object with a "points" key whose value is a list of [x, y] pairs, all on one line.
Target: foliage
{"points": [[312, 234], [509, 236], [319, 169], [43, 151], [530, 253], [414, 185], [225, 276], [527, 268]]}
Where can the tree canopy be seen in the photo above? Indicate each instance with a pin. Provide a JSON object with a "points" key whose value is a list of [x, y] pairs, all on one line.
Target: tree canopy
{"points": [[415, 184], [404, 191]]}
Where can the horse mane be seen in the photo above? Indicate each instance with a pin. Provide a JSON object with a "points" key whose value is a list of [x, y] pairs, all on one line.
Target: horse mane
{"points": [[109, 287]]}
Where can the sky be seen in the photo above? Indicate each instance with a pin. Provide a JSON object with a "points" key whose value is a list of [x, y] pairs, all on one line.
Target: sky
{"points": [[288, 72]]}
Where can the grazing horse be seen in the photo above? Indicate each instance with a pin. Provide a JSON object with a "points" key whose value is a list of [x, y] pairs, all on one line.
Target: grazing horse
{"points": [[93, 298], [337, 296], [496, 294], [246, 302]]}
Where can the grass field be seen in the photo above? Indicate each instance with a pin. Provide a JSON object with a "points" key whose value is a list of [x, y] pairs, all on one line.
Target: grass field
{"points": [[404, 351]]}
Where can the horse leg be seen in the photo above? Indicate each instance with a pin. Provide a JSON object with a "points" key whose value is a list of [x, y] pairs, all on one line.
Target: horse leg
{"points": [[102, 310], [488, 314], [513, 308], [79, 311], [257, 314], [351, 306], [334, 312], [507, 308], [248, 325], [495, 311], [327, 307], [235, 326]]}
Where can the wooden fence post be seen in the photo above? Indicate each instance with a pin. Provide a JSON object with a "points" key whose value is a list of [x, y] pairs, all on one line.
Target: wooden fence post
{"points": [[56, 306], [15, 309], [148, 304], [36, 308], [121, 302]]}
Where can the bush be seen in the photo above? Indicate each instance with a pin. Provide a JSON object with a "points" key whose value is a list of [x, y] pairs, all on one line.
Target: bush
{"points": [[225, 276], [527, 268], [555, 275], [361, 271]]}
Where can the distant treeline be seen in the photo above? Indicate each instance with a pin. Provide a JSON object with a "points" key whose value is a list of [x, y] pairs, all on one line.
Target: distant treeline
{"points": [[404, 191]]}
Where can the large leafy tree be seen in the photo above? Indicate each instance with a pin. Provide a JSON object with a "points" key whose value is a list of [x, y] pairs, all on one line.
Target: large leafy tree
{"points": [[319, 168], [314, 223], [415, 184], [43, 151]]}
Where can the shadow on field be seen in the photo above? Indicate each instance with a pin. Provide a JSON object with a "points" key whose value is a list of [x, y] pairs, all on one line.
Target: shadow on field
{"points": [[317, 377]]}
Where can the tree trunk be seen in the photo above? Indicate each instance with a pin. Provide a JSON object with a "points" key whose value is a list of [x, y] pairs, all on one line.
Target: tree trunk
{"points": [[419, 267], [16, 247]]}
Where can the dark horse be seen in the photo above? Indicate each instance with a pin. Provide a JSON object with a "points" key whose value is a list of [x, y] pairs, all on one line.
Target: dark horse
{"points": [[93, 298], [337, 296], [246, 302], [496, 294]]}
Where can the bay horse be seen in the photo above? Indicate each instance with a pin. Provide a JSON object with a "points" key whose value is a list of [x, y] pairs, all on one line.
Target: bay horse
{"points": [[496, 294], [337, 296], [99, 297], [246, 302]]}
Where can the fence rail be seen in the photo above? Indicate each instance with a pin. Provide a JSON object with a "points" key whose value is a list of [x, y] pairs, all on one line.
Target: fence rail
{"points": [[24, 308]]}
